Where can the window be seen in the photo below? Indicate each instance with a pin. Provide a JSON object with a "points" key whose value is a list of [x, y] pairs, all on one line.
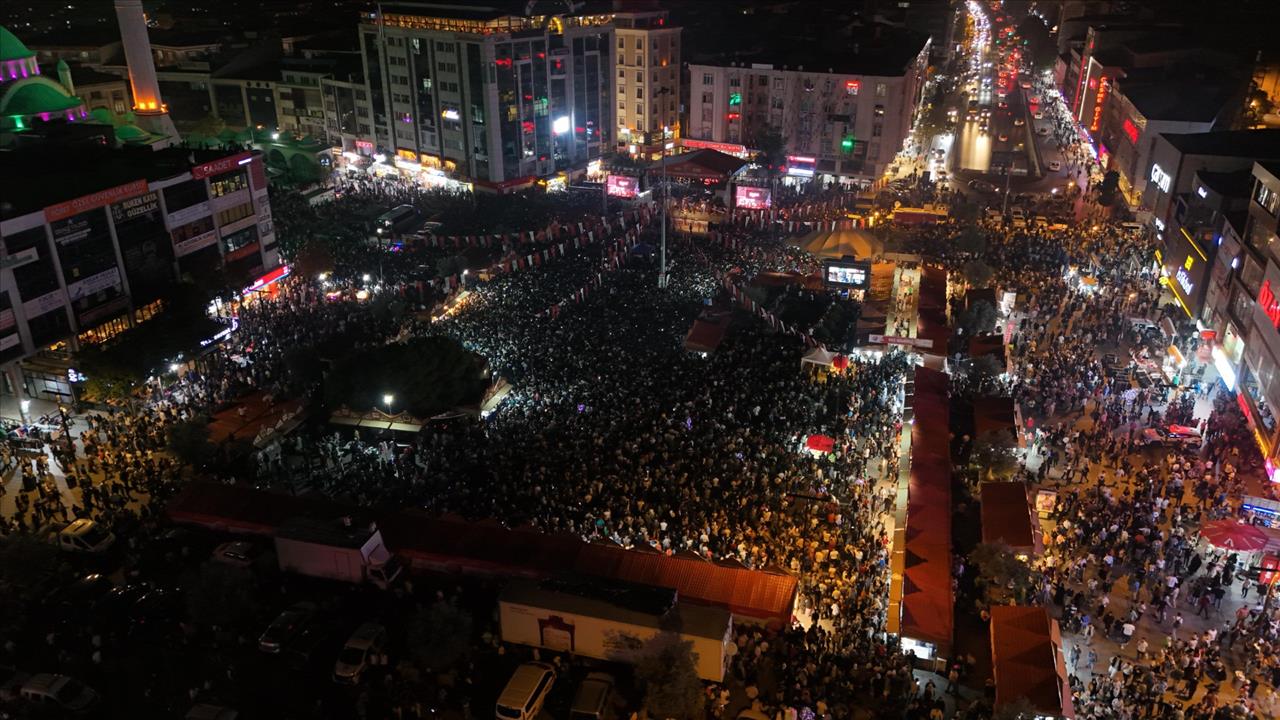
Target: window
{"points": [[879, 111], [230, 215], [228, 183], [881, 88], [622, 104], [622, 43], [184, 195], [639, 76], [706, 78], [639, 43], [639, 93], [706, 114], [1269, 199], [708, 98], [777, 83], [639, 59], [622, 74], [639, 109], [735, 82]]}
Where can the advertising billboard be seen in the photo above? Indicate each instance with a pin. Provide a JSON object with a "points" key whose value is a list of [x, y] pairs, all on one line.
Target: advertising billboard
{"points": [[801, 165], [751, 198], [846, 273], [623, 186]]}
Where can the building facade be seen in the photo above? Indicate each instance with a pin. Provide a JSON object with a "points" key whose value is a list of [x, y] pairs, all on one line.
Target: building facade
{"points": [[81, 270], [496, 96], [836, 125], [648, 81]]}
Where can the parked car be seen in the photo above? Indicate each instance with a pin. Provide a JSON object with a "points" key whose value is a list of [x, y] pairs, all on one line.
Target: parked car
{"points": [[366, 643], [526, 692], [239, 553], [86, 536], [82, 595], [286, 625], [1055, 165], [1018, 122], [1172, 435], [594, 699], [58, 692]]}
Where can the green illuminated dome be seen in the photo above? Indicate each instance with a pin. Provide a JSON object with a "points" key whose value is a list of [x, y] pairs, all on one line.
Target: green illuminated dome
{"points": [[11, 48]]}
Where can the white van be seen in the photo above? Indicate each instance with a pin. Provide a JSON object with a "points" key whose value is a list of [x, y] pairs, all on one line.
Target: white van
{"points": [[526, 692], [86, 536], [58, 691]]}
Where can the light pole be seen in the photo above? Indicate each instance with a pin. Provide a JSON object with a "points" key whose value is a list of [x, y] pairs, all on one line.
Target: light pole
{"points": [[666, 145], [387, 400]]}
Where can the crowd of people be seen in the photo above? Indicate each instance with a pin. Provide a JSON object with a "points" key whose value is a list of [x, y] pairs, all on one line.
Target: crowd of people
{"points": [[615, 433]]}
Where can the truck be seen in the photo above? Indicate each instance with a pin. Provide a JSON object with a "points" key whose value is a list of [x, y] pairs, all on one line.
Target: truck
{"points": [[609, 620], [340, 549]]}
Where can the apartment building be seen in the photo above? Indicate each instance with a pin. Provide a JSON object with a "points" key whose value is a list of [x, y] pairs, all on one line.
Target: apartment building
{"points": [[843, 117], [499, 96], [648, 81]]}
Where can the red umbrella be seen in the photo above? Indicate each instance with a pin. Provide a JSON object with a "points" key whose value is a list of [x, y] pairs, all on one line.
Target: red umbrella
{"points": [[821, 443], [1232, 535], [840, 362]]}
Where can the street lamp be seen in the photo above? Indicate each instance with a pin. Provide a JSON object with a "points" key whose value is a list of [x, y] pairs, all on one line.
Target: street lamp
{"points": [[387, 400], [662, 274]]}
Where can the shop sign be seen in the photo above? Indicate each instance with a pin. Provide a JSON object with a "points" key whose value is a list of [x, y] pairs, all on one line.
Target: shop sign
{"points": [[188, 215], [269, 279], [244, 252], [1161, 178], [94, 284], [217, 167], [199, 242], [1244, 408], [1184, 280], [45, 303], [135, 207], [726, 148], [1269, 304], [96, 200], [1223, 365]]}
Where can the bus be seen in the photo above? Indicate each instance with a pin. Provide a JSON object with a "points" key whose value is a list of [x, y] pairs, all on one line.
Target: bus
{"points": [[396, 220]]}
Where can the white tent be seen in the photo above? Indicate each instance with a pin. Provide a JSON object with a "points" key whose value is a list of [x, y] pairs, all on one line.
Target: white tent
{"points": [[818, 356]]}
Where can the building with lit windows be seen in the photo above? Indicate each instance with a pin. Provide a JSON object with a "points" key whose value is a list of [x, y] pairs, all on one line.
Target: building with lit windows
{"points": [[844, 116], [92, 238], [648, 80], [1246, 313], [501, 96]]}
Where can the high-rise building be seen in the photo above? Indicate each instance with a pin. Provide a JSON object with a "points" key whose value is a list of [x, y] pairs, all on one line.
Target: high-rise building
{"points": [[648, 80], [499, 95]]}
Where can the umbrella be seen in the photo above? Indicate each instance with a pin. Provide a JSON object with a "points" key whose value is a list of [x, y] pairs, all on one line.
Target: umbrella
{"points": [[840, 362], [821, 443], [1232, 535]]}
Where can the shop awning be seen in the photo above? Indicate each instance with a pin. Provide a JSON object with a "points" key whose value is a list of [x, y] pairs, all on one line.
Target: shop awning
{"points": [[1026, 654]]}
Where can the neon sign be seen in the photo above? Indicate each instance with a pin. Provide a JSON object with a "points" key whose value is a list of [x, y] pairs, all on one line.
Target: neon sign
{"points": [[1161, 178], [1104, 84], [1269, 304], [1130, 131], [1184, 280]]}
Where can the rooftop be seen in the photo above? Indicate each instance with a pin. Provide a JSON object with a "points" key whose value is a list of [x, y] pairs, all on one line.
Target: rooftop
{"points": [[338, 532], [1177, 100], [85, 75], [1236, 184], [872, 49], [1260, 144], [630, 603], [46, 174], [11, 48]]}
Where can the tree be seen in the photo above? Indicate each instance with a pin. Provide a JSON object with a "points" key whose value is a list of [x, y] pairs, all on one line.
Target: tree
{"points": [[991, 456], [426, 376], [209, 126], [27, 563], [972, 240], [666, 669], [771, 149], [978, 274], [1020, 708], [189, 440], [450, 265], [1108, 189], [966, 212], [977, 319], [439, 636], [1002, 575], [219, 594]]}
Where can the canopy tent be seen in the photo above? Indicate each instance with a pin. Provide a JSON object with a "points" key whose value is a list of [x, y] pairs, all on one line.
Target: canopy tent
{"points": [[1006, 516], [921, 607], [1027, 660], [700, 165], [707, 331], [820, 443], [819, 356], [260, 423], [1231, 535]]}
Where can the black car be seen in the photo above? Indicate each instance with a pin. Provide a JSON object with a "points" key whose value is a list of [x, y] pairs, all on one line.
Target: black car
{"points": [[83, 595], [157, 613]]}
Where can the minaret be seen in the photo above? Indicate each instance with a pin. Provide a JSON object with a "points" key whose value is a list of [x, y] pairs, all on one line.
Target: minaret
{"points": [[151, 112]]}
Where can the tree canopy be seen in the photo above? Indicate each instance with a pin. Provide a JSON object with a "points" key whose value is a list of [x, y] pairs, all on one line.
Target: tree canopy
{"points": [[439, 635], [425, 376], [666, 667]]}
